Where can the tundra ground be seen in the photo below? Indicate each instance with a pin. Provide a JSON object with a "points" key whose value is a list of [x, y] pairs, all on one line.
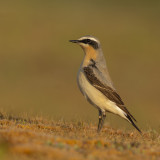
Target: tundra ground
{"points": [[38, 138]]}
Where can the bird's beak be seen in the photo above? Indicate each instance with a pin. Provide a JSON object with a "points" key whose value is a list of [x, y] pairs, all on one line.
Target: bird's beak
{"points": [[74, 41]]}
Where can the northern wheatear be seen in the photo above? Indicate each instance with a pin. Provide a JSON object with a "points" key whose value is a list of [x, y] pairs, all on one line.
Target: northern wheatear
{"points": [[95, 83]]}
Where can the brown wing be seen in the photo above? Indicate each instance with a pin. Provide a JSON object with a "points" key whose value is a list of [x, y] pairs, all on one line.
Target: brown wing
{"points": [[106, 90]]}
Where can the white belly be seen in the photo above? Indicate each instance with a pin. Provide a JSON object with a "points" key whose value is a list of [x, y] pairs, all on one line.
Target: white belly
{"points": [[97, 97]]}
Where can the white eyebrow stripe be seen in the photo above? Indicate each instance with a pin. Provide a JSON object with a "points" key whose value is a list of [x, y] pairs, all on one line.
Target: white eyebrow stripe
{"points": [[91, 38]]}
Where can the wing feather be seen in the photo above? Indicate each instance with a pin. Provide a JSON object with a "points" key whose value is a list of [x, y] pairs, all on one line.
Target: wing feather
{"points": [[110, 93]]}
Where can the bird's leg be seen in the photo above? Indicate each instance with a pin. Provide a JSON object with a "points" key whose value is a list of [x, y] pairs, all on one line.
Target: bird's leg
{"points": [[102, 116], [100, 121]]}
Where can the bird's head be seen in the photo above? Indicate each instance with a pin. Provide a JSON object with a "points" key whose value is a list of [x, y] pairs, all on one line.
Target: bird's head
{"points": [[92, 49], [87, 42]]}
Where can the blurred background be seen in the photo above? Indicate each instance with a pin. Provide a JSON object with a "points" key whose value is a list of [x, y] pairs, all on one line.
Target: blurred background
{"points": [[38, 66]]}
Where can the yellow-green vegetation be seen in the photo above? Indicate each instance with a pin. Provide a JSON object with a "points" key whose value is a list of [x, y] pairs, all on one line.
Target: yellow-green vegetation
{"points": [[38, 138]]}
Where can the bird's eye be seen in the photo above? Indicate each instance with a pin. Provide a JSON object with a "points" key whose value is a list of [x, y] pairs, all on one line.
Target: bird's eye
{"points": [[88, 40]]}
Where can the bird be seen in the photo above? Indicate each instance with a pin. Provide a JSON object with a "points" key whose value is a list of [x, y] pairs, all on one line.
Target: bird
{"points": [[95, 82]]}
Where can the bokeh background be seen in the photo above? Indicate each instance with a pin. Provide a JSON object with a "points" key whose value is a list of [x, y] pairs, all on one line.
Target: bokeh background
{"points": [[38, 66]]}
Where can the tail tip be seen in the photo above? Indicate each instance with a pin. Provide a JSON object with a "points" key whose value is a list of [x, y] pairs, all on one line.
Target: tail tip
{"points": [[131, 121]]}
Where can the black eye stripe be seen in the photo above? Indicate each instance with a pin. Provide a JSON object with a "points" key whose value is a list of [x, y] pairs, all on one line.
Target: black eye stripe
{"points": [[93, 43], [86, 41]]}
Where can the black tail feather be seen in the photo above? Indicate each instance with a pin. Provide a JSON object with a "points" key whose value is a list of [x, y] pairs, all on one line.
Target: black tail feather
{"points": [[130, 119]]}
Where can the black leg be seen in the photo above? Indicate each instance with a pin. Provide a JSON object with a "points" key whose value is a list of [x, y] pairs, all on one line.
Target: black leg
{"points": [[100, 121], [102, 116]]}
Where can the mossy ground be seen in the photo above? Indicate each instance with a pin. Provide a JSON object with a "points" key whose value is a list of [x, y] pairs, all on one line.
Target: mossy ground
{"points": [[38, 138]]}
